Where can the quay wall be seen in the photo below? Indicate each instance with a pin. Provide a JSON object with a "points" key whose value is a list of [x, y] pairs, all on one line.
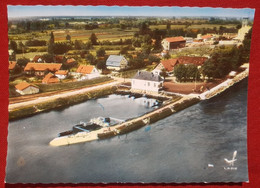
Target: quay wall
{"points": [[26, 111]]}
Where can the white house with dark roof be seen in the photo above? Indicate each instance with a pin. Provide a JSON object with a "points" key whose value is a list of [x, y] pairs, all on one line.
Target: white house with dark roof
{"points": [[116, 62], [146, 81]]}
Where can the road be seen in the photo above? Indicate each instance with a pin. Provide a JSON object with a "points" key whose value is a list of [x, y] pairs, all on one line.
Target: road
{"points": [[61, 95]]}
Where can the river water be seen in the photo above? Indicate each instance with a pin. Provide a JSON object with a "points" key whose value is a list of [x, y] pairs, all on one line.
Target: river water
{"points": [[189, 146]]}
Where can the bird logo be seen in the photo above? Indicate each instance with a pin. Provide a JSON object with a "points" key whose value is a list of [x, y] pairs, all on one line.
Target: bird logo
{"points": [[231, 162]]}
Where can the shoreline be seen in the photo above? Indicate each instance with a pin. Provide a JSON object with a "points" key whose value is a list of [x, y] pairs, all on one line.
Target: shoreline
{"points": [[226, 84]]}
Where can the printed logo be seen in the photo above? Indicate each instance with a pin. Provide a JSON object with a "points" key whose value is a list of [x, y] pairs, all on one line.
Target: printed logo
{"points": [[231, 162]]}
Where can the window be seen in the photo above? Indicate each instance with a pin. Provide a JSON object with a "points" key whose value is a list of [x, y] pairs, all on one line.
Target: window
{"points": [[148, 84]]}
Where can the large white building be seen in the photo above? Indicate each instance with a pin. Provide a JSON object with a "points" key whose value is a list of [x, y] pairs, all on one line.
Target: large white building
{"points": [[146, 82]]}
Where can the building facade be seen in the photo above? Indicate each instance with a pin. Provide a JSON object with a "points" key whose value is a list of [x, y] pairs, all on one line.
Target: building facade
{"points": [[146, 82], [116, 62], [173, 43]]}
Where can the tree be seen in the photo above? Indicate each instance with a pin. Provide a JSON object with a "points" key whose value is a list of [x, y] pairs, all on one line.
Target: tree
{"points": [[163, 73], [168, 26], [144, 29], [222, 61], [153, 58], [245, 50], [91, 59], [239, 26], [167, 56], [61, 47], [13, 46], [123, 50], [101, 65], [192, 72], [93, 38], [180, 72], [101, 52], [88, 45], [52, 40], [48, 58], [22, 62], [68, 37], [146, 49], [78, 45], [51, 44]]}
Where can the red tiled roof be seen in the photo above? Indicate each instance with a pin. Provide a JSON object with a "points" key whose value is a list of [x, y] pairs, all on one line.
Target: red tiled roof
{"points": [[169, 64], [85, 69], [23, 85], [61, 72], [175, 39], [71, 60], [192, 60], [50, 78], [42, 66], [36, 58], [12, 65], [206, 36]]}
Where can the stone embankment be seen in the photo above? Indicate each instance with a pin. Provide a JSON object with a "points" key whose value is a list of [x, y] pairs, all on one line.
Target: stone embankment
{"points": [[225, 85]]}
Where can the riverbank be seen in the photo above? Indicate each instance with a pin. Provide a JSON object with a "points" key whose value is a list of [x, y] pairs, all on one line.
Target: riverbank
{"points": [[226, 84], [58, 102]]}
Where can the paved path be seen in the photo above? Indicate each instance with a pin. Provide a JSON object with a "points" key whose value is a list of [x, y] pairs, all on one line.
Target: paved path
{"points": [[66, 94]]}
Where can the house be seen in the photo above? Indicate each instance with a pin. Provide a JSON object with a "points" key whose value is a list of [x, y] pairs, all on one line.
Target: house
{"points": [[173, 43], [25, 88], [87, 72], [188, 40], [58, 59], [116, 62], [37, 58], [208, 38], [12, 65], [61, 74], [167, 64], [70, 63], [146, 82], [39, 69], [50, 79]]}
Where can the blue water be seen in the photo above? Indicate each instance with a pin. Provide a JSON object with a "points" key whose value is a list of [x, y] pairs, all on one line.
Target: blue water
{"points": [[175, 149]]}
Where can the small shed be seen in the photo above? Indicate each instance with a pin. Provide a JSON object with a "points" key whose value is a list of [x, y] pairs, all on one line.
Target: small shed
{"points": [[61, 74], [25, 88]]}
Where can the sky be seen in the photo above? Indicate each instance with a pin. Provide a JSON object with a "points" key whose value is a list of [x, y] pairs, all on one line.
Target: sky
{"points": [[28, 11]]}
